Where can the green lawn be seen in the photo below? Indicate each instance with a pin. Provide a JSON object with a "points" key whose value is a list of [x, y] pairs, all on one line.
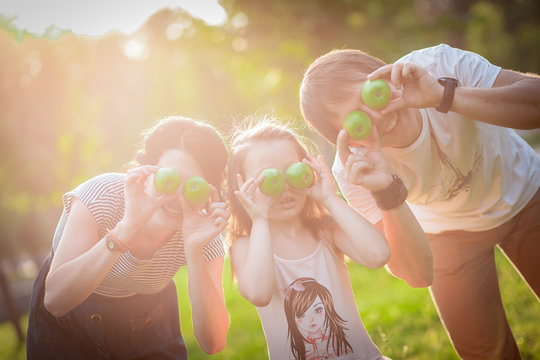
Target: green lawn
{"points": [[402, 321]]}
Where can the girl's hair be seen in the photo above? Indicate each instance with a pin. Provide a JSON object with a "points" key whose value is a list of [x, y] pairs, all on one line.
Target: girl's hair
{"points": [[199, 140], [330, 79], [246, 136], [301, 295]]}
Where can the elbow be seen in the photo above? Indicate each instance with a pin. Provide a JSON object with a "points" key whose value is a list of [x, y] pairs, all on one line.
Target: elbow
{"points": [[378, 259], [423, 276], [215, 343], [214, 350], [53, 306], [420, 282], [259, 301], [258, 298], [215, 346]]}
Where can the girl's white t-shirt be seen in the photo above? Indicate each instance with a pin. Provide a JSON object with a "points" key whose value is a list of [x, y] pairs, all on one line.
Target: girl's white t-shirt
{"points": [[461, 174], [324, 278]]}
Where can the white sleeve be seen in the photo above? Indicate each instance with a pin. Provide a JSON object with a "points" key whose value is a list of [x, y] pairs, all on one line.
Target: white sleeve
{"points": [[470, 69], [358, 197]]}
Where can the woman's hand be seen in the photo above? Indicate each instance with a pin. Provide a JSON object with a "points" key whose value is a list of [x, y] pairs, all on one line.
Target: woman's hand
{"points": [[200, 225], [139, 205], [365, 165], [324, 187], [418, 88], [257, 204]]}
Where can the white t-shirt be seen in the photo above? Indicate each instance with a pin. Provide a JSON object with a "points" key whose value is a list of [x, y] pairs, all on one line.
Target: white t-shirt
{"points": [[312, 306], [461, 174]]}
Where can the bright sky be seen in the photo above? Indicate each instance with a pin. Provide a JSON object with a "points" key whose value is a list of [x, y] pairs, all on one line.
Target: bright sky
{"points": [[96, 17]]}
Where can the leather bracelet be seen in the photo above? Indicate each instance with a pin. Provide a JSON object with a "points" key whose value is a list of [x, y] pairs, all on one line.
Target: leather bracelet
{"points": [[394, 195]]}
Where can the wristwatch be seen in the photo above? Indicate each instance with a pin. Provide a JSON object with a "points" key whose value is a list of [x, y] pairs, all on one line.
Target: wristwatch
{"points": [[114, 245], [450, 85]]}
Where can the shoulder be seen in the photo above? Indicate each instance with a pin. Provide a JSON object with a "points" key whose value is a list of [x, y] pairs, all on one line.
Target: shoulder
{"points": [[104, 187], [430, 55], [102, 184], [425, 57], [106, 180], [471, 69]]}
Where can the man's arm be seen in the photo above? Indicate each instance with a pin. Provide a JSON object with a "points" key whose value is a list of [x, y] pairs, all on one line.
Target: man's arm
{"points": [[513, 101], [410, 253]]}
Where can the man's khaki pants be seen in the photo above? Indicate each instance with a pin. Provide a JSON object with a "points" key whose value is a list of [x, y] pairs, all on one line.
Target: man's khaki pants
{"points": [[465, 285]]}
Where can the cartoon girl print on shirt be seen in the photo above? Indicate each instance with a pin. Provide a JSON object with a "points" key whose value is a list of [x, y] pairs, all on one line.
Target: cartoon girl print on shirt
{"points": [[316, 331]]}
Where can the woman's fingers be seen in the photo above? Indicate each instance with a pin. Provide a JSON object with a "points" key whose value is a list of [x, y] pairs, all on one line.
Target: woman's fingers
{"points": [[139, 174], [220, 224], [214, 194], [239, 181], [220, 217], [143, 170], [219, 210]]}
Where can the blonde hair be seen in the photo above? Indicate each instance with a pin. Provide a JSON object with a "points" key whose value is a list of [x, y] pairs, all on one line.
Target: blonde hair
{"points": [[330, 79], [247, 135]]}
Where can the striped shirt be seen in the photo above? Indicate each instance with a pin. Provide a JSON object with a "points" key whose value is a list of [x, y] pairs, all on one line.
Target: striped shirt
{"points": [[104, 197]]}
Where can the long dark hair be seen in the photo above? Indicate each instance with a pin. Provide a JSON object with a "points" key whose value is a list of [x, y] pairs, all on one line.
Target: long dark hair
{"points": [[198, 139]]}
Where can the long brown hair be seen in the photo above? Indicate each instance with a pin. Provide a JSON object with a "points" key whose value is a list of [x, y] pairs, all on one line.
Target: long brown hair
{"points": [[330, 79], [247, 135]]}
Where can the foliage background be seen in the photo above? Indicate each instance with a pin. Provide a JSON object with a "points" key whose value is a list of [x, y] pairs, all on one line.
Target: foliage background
{"points": [[72, 107]]}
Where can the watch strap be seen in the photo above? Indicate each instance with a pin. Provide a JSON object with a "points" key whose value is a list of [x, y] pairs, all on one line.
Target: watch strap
{"points": [[393, 196], [114, 243], [449, 85]]}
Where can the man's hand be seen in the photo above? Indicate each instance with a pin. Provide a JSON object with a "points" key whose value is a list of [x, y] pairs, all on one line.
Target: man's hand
{"points": [[418, 88], [365, 165]]}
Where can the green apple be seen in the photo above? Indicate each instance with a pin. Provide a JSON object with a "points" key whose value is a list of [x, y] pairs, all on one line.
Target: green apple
{"points": [[166, 180], [299, 175], [273, 183], [376, 93], [358, 125], [196, 190]]}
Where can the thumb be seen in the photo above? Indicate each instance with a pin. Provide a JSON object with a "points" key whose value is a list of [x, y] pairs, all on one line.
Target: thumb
{"points": [[214, 194], [375, 139]]}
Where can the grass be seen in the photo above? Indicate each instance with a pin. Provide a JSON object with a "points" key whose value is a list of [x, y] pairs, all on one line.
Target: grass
{"points": [[402, 321]]}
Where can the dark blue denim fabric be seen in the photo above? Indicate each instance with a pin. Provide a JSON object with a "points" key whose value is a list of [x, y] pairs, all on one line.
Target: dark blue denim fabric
{"points": [[138, 327]]}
